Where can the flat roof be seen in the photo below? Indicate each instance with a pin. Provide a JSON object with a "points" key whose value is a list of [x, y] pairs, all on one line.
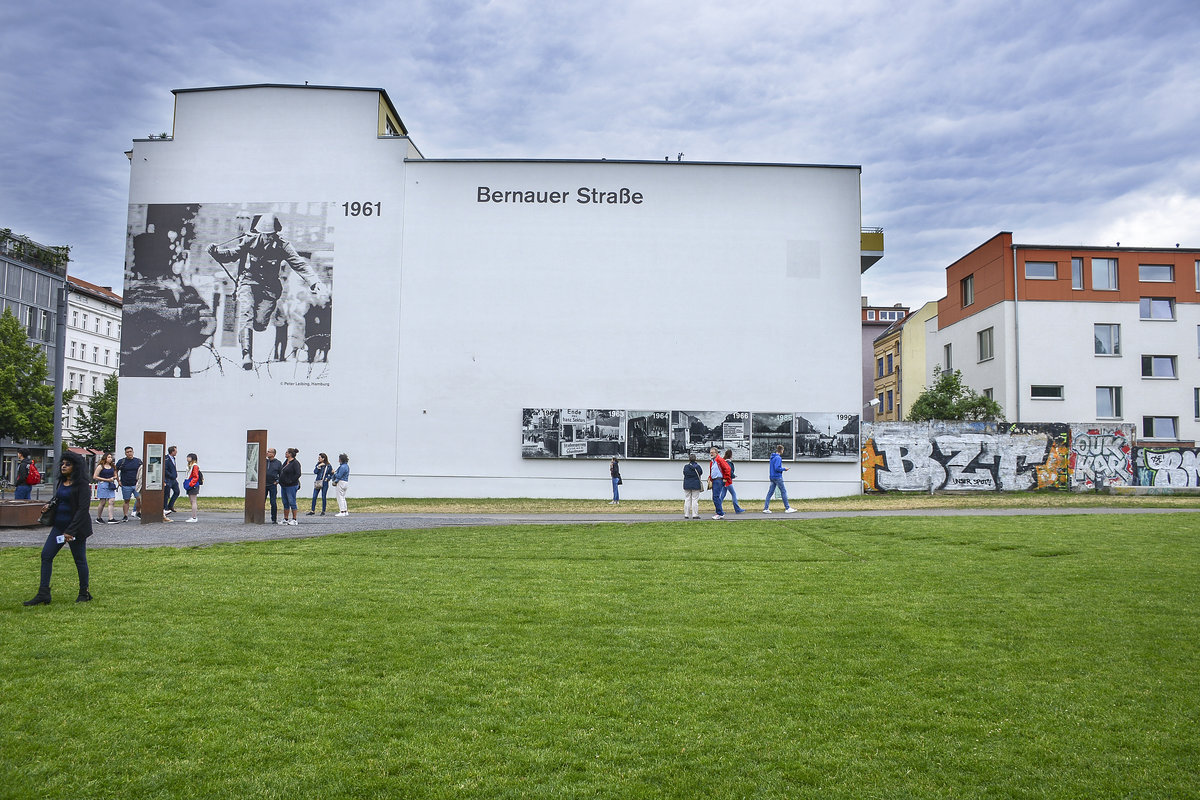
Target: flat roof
{"points": [[382, 92], [627, 161]]}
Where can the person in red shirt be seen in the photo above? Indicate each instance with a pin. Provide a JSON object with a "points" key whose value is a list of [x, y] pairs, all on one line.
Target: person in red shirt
{"points": [[719, 476]]}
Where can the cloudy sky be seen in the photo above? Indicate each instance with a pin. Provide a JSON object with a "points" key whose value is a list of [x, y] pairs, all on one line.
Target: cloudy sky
{"points": [[1066, 123]]}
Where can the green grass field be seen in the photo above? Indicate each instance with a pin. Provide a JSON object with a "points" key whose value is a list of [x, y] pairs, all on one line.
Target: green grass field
{"points": [[852, 658]]}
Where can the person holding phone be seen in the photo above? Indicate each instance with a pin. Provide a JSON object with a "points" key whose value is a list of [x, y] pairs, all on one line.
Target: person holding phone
{"points": [[71, 525]]}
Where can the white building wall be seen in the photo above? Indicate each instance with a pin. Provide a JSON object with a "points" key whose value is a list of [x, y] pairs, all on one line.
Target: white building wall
{"points": [[93, 351], [729, 287], [1057, 349]]}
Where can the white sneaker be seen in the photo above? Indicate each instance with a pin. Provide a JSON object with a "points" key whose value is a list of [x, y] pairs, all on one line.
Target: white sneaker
{"points": [[342, 514], [789, 511], [169, 511], [293, 522], [282, 522], [768, 511], [192, 519], [718, 516]]}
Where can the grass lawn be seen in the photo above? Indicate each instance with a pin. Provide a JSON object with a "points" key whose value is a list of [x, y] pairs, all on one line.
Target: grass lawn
{"points": [[857, 658]]}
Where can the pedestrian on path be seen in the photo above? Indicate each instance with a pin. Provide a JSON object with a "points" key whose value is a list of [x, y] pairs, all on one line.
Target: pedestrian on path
{"points": [[718, 478], [192, 483], [289, 484], [692, 487], [737, 509], [614, 471], [323, 473], [341, 484], [775, 473]]}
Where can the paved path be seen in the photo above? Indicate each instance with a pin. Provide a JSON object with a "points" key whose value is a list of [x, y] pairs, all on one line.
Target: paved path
{"points": [[225, 526]]}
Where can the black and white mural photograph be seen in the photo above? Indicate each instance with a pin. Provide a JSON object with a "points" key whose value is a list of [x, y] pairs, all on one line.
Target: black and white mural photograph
{"points": [[767, 431], [648, 434], [591, 433], [697, 431], [219, 289], [826, 437], [539, 433]]}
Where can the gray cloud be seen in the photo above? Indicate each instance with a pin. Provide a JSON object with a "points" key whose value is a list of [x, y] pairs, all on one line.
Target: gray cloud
{"points": [[1062, 122]]}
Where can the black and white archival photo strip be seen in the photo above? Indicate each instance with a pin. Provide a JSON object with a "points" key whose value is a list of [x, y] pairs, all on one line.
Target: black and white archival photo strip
{"points": [[648, 434], [591, 433], [826, 436], [539, 433], [697, 431], [767, 431]]}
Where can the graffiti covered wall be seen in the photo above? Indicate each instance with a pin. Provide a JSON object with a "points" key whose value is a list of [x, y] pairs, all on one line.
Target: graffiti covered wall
{"points": [[990, 456], [1167, 466]]}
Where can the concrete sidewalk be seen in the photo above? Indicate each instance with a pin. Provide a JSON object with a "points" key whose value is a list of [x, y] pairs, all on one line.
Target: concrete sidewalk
{"points": [[218, 527]]}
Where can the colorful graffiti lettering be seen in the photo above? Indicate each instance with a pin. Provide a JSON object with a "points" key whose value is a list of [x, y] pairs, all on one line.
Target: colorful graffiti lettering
{"points": [[1100, 456], [1168, 467], [973, 456]]}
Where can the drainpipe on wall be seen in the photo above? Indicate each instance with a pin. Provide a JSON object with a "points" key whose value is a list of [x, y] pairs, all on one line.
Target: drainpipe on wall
{"points": [[1016, 334]]}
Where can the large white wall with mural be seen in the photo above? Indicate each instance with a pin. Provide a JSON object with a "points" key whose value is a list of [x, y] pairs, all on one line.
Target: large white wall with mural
{"points": [[437, 300]]}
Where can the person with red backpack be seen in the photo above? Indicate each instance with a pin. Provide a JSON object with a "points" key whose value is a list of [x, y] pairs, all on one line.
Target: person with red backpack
{"points": [[27, 476]]}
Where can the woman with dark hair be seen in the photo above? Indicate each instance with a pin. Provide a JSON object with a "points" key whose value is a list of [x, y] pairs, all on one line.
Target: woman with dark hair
{"points": [[323, 472], [289, 483], [191, 484], [737, 509], [341, 484], [71, 525]]}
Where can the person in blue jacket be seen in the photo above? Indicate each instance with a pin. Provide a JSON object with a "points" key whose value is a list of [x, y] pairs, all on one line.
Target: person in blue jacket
{"points": [[775, 473], [323, 472], [341, 484], [692, 487]]}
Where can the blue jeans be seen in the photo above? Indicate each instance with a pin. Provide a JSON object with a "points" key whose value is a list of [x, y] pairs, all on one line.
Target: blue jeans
{"points": [[22, 491], [319, 488], [78, 552], [272, 495], [718, 491], [616, 494], [172, 493], [289, 497], [732, 494], [776, 482]]}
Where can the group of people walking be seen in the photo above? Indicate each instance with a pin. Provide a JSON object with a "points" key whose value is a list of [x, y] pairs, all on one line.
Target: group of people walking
{"points": [[283, 481], [719, 478]]}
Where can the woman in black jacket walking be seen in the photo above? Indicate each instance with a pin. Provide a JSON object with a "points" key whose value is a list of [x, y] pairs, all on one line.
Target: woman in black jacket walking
{"points": [[289, 483], [71, 525]]}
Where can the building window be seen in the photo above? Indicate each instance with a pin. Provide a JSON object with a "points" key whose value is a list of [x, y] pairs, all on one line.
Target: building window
{"points": [[107, 355], [1108, 339], [1104, 274], [1159, 427], [46, 326], [73, 346], [879, 368], [1156, 273], [948, 357], [1158, 367], [870, 315], [880, 399], [1157, 308], [1046, 392], [94, 379], [968, 290], [889, 401], [95, 354], [1108, 402], [1041, 270], [1076, 273], [889, 363], [985, 344], [97, 324], [108, 328], [1198, 276], [75, 314], [1196, 402], [85, 322], [988, 393]]}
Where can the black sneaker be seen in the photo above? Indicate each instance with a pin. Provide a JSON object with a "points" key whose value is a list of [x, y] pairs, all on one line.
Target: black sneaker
{"points": [[84, 596], [309, 513], [124, 519]]}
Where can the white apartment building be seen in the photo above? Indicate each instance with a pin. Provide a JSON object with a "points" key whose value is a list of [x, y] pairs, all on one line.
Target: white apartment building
{"points": [[93, 345], [1077, 334]]}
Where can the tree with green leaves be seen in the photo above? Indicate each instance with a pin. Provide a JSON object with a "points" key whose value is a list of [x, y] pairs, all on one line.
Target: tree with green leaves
{"points": [[97, 426], [26, 400], [950, 399]]}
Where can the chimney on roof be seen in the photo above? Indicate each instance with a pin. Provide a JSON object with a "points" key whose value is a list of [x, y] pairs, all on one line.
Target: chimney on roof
{"points": [[864, 301]]}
